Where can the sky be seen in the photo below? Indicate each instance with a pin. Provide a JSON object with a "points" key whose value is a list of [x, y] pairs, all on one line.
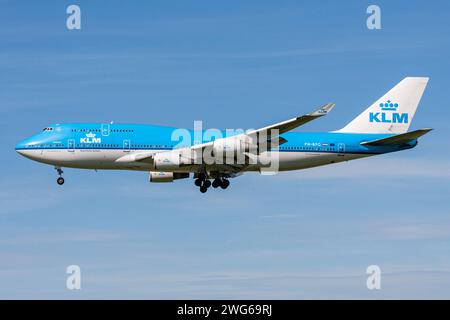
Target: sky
{"points": [[307, 234]]}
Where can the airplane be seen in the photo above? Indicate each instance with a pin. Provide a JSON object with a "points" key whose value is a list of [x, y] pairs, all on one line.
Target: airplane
{"points": [[379, 129]]}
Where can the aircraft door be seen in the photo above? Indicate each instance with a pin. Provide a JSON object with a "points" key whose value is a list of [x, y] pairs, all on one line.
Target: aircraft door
{"points": [[126, 145], [341, 149], [71, 145], [105, 129]]}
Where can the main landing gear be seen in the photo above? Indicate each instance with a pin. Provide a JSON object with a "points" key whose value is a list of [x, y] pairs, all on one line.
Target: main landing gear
{"points": [[204, 183], [60, 179]]}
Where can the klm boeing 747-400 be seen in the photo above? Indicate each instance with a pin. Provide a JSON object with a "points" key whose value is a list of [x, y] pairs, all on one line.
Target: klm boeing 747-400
{"points": [[214, 157]]}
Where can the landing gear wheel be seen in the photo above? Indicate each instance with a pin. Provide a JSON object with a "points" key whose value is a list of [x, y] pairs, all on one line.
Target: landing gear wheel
{"points": [[60, 181], [203, 189], [207, 184], [198, 182], [216, 183], [225, 183]]}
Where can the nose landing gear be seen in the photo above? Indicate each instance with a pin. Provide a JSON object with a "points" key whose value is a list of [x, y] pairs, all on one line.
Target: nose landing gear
{"points": [[60, 179]]}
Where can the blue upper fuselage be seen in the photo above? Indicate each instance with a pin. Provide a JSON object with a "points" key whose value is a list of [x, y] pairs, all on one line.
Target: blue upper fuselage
{"points": [[142, 137]]}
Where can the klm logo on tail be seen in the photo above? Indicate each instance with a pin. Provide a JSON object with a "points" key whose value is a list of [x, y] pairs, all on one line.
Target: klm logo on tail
{"points": [[388, 117]]}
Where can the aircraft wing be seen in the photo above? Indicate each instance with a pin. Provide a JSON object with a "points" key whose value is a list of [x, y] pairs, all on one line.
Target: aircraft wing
{"points": [[282, 127]]}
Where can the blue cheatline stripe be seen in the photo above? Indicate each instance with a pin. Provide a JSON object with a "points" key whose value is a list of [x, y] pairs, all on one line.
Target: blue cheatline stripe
{"points": [[121, 149]]}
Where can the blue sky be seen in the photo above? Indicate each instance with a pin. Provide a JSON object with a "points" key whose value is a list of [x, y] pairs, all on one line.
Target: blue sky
{"points": [[232, 64]]}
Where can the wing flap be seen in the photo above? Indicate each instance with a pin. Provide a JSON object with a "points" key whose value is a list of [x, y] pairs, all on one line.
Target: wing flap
{"points": [[136, 157]]}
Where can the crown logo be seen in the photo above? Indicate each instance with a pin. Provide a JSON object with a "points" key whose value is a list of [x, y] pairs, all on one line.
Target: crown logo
{"points": [[389, 106], [90, 135]]}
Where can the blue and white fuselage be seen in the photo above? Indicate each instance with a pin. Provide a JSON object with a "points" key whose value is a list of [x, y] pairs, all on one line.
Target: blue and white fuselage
{"points": [[99, 146], [382, 128]]}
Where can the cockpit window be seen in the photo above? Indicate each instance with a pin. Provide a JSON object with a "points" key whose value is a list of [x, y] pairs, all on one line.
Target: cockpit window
{"points": [[47, 129]]}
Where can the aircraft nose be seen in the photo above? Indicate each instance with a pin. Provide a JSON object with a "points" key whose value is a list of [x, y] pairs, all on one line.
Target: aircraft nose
{"points": [[28, 148], [20, 148]]}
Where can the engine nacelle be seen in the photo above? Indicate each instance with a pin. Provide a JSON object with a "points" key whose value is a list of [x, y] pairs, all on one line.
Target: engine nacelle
{"points": [[171, 160], [230, 150], [225, 147], [167, 176], [161, 176], [166, 161], [229, 147]]}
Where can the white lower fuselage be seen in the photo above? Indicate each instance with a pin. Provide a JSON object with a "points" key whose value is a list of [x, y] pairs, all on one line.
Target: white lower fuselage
{"points": [[100, 159]]}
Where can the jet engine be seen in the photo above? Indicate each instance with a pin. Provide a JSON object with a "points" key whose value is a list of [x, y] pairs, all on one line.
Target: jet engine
{"points": [[229, 147], [168, 161], [167, 176]]}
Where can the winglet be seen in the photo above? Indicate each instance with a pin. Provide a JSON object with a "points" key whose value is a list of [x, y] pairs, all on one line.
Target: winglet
{"points": [[323, 110]]}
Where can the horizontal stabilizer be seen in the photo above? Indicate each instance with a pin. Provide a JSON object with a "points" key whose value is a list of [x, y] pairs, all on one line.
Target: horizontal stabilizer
{"points": [[397, 139]]}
